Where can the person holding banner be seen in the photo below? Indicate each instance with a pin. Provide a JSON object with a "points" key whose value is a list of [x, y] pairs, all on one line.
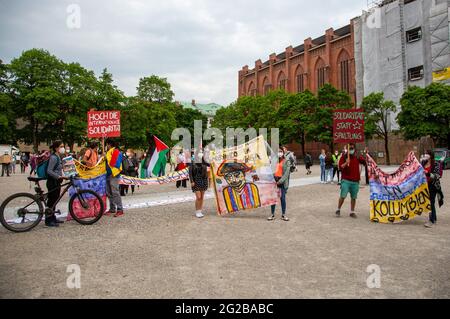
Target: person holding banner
{"points": [[282, 176], [432, 171], [114, 160], [351, 176], [90, 157], [198, 175]]}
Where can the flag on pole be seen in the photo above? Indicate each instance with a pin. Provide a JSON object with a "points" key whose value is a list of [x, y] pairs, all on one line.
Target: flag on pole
{"points": [[159, 158]]}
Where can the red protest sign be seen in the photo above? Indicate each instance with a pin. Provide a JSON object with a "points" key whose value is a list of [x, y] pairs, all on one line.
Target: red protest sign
{"points": [[348, 126], [103, 124]]}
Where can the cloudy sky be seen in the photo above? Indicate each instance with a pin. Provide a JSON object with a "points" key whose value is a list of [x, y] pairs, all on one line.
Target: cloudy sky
{"points": [[199, 45]]}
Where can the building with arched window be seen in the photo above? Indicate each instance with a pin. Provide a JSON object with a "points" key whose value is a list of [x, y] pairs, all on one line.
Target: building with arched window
{"points": [[327, 59]]}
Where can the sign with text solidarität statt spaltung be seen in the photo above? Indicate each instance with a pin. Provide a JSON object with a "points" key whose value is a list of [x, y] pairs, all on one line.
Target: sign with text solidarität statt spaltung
{"points": [[103, 124], [348, 126]]}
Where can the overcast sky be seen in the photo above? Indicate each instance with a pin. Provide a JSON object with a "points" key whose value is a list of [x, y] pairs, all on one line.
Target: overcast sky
{"points": [[199, 45]]}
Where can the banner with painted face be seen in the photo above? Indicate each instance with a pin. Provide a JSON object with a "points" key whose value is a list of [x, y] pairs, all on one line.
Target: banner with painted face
{"points": [[243, 178], [400, 196]]}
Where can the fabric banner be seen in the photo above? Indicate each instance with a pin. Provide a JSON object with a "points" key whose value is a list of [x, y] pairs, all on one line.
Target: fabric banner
{"points": [[85, 172], [400, 196], [98, 185], [243, 178], [171, 178]]}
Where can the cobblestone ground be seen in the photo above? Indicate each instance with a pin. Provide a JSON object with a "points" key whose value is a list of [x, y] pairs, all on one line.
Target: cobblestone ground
{"points": [[164, 252]]}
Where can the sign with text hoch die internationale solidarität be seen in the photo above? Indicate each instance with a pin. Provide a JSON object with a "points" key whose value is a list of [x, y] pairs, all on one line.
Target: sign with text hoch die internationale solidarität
{"points": [[103, 124], [348, 126]]}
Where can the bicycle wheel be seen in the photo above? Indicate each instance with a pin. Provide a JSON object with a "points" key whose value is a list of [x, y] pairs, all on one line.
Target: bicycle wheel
{"points": [[21, 212], [86, 207]]}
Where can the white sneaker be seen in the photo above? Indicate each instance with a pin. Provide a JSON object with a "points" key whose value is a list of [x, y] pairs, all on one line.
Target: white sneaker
{"points": [[429, 225], [199, 214]]}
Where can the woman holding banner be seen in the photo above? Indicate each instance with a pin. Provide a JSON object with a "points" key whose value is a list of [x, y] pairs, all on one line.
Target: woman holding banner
{"points": [[198, 175], [432, 171]]}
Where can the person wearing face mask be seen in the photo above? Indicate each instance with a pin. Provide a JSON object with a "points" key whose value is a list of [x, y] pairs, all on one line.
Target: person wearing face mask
{"points": [[349, 165], [282, 174], [54, 179], [198, 176], [114, 159], [90, 158], [432, 172], [132, 166], [336, 170]]}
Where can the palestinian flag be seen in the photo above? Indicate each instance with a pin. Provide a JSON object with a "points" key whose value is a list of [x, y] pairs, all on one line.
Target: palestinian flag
{"points": [[159, 158]]}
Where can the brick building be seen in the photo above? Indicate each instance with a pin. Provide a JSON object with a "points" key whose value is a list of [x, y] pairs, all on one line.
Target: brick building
{"points": [[327, 59]]}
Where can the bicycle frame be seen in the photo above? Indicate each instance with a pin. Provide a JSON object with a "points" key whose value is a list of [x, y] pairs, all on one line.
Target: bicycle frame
{"points": [[43, 196]]}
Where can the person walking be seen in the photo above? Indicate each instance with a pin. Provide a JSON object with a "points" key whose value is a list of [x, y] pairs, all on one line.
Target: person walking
{"points": [[13, 163], [198, 176], [322, 158], [24, 160], [432, 172], [54, 180], [6, 160], [328, 168], [181, 165], [336, 170], [308, 163], [114, 160], [282, 175], [90, 157], [351, 176]]}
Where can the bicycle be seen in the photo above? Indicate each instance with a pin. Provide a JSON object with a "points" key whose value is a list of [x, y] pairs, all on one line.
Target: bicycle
{"points": [[22, 212]]}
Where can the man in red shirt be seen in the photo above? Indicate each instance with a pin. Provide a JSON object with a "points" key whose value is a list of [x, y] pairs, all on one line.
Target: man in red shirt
{"points": [[350, 179]]}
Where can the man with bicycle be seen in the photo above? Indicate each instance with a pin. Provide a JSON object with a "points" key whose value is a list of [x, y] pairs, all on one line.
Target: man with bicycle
{"points": [[54, 179]]}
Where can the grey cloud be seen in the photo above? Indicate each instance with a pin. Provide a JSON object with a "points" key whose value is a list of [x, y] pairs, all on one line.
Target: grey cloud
{"points": [[200, 45]]}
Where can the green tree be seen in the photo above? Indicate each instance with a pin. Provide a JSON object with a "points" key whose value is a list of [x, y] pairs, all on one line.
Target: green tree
{"points": [[107, 95], [7, 119], [36, 89], [426, 112], [295, 118], [377, 111], [328, 100], [155, 89]]}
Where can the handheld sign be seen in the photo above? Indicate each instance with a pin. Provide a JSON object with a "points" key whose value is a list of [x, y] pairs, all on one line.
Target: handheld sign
{"points": [[348, 126], [102, 124]]}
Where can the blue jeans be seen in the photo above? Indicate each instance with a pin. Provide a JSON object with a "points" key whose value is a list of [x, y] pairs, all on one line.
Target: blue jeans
{"points": [[328, 175], [283, 202], [323, 177]]}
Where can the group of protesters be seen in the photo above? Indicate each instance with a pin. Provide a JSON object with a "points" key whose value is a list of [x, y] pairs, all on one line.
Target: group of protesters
{"points": [[346, 165]]}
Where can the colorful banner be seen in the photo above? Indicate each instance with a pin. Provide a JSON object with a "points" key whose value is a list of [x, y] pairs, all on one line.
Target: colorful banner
{"points": [[98, 185], [243, 178], [171, 178], [348, 126], [85, 172], [103, 124], [400, 196]]}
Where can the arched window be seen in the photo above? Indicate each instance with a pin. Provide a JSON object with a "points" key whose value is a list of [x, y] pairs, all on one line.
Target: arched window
{"points": [[300, 79], [343, 64], [282, 82], [266, 86], [251, 89], [321, 73]]}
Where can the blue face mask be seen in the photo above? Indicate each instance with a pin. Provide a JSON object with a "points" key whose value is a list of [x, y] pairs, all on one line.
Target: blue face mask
{"points": [[352, 152]]}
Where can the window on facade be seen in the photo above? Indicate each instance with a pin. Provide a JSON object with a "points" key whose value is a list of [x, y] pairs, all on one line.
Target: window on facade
{"points": [[300, 83], [414, 35], [267, 88], [321, 77], [416, 73], [345, 76], [253, 92], [282, 85]]}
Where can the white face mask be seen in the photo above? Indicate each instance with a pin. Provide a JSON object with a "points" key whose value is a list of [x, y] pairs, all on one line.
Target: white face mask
{"points": [[62, 151], [280, 155]]}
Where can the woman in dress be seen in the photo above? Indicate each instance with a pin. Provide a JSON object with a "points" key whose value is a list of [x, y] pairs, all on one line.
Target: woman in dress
{"points": [[198, 175]]}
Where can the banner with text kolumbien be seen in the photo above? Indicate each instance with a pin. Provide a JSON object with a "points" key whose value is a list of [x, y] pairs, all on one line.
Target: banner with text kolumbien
{"points": [[103, 124], [348, 126]]}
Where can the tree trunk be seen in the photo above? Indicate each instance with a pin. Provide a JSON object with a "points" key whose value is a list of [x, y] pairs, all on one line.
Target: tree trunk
{"points": [[35, 138], [303, 144], [386, 148]]}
